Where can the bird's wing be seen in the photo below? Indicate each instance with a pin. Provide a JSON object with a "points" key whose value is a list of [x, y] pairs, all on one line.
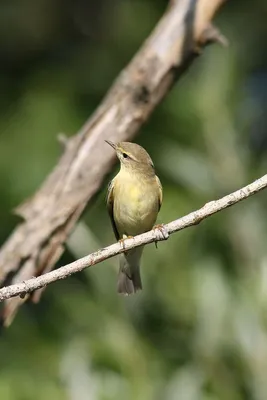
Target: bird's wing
{"points": [[110, 203], [160, 191]]}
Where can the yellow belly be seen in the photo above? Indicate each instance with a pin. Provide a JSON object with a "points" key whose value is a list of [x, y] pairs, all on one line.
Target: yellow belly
{"points": [[136, 204]]}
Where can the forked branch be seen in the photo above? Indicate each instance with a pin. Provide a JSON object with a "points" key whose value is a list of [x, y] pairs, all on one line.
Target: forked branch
{"points": [[51, 214]]}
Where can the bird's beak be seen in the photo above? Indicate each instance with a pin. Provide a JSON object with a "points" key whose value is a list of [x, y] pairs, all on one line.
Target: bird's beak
{"points": [[111, 144]]}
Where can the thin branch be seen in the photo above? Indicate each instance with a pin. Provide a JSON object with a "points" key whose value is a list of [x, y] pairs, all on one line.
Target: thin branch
{"points": [[194, 218], [51, 214]]}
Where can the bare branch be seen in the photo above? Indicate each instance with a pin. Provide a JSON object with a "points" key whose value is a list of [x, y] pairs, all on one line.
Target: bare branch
{"points": [[50, 215], [194, 218]]}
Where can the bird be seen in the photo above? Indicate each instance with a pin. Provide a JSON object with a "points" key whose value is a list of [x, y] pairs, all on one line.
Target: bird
{"points": [[134, 199]]}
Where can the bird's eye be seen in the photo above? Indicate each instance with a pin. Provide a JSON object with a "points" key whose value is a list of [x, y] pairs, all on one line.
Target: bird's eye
{"points": [[125, 155]]}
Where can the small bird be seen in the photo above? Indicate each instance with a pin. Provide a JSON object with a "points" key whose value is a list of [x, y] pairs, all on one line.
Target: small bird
{"points": [[133, 201]]}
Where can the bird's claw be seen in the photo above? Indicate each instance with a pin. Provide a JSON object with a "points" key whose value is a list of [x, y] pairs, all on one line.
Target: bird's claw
{"points": [[161, 233], [121, 241]]}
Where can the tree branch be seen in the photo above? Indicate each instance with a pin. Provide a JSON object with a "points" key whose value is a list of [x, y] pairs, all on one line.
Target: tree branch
{"points": [[50, 215], [194, 218]]}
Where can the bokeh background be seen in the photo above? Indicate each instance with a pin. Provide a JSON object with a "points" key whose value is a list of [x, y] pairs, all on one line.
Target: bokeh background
{"points": [[198, 331]]}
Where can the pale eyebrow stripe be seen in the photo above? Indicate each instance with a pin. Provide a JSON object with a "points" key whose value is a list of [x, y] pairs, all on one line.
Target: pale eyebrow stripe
{"points": [[128, 154]]}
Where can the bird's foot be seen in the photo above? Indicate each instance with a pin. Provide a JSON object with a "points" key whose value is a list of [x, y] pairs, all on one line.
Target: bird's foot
{"points": [[121, 241], [161, 233]]}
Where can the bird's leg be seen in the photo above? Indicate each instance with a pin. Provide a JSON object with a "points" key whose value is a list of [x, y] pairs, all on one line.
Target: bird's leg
{"points": [[161, 233], [121, 241]]}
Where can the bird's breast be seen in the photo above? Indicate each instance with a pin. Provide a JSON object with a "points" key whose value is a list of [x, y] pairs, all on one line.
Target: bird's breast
{"points": [[136, 201]]}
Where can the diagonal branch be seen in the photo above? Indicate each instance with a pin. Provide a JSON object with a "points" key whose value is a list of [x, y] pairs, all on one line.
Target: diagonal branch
{"points": [[194, 218], [50, 215]]}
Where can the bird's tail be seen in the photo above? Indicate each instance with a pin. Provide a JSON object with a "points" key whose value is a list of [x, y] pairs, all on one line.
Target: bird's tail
{"points": [[129, 279]]}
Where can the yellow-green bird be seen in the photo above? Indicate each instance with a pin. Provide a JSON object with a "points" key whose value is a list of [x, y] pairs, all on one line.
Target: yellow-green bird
{"points": [[134, 200]]}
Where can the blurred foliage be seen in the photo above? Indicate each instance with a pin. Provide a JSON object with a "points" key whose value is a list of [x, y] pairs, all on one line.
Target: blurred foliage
{"points": [[198, 331]]}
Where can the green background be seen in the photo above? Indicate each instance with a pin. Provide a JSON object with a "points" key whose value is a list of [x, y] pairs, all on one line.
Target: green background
{"points": [[198, 331]]}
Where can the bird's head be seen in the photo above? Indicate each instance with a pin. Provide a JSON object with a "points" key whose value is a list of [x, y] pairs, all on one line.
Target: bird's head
{"points": [[133, 156]]}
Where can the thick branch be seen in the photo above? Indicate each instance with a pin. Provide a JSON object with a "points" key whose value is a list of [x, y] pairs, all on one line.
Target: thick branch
{"points": [[152, 236], [50, 215]]}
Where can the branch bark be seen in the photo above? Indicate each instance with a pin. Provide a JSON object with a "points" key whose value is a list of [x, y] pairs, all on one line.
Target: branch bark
{"points": [[155, 235], [50, 215]]}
